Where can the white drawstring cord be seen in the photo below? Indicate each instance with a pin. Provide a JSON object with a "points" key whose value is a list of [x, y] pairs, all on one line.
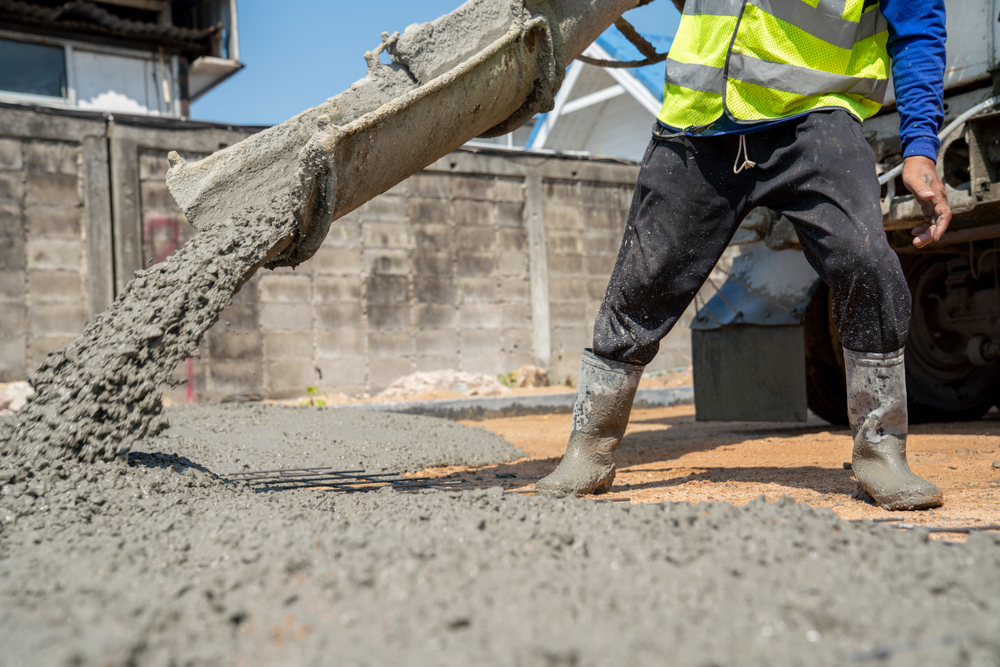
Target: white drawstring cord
{"points": [[742, 152]]}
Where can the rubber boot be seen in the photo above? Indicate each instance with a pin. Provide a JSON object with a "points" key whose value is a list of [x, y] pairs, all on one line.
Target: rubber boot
{"points": [[876, 406], [603, 402]]}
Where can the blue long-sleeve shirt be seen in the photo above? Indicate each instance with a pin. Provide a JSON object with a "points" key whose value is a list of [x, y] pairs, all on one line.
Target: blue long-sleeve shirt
{"points": [[917, 48]]}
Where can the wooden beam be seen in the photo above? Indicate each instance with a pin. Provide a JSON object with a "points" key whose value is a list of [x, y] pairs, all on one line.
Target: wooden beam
{"points": [[150, 5]]}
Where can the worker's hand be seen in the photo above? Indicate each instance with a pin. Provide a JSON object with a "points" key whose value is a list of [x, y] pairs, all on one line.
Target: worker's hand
{"points": [[921, 178]]}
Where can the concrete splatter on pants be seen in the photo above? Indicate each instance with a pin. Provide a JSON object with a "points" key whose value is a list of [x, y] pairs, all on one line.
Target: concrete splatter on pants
{"points": [[817, 170]]}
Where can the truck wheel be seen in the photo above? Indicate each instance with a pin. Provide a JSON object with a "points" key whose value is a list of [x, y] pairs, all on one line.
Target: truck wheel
{"points": [[942, 381], [826, 386]]}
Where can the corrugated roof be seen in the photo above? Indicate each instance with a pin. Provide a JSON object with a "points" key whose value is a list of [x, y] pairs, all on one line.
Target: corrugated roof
{"points": [[79, 14], [620, 48]]}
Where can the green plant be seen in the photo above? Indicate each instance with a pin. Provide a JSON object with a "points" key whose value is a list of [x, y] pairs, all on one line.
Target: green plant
{"points": [[508, 379], [314, 402]]}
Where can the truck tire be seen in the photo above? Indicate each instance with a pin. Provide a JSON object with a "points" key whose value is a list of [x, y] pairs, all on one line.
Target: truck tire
{"points": [[941, 383], [826, 384]]}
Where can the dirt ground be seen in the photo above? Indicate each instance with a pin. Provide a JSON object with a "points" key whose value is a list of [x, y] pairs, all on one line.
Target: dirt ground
{"points": [[668, 456]]}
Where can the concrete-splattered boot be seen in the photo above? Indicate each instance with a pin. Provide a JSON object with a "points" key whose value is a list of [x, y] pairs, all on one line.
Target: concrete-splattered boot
{"points": [[603, 402], [876, 406]]}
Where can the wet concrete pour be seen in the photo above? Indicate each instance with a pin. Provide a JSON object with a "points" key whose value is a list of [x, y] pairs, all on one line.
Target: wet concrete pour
{"points": [[157, 562]]}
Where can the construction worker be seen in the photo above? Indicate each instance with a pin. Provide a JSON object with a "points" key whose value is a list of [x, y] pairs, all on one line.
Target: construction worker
{"points": [[763, 105]]}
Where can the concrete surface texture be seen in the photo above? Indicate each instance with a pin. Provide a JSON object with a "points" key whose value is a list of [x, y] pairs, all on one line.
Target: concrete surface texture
{"points": [[154, 561]]}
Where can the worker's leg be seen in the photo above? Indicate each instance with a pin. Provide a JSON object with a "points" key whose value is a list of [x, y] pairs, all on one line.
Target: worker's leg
{"points": [[684, 211], [824, 182]]}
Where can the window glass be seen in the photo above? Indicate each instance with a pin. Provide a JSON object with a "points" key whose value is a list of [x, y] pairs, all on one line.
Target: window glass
{"points": [[36, 69]]}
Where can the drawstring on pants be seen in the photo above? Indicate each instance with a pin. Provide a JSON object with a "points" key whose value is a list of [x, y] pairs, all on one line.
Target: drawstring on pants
{"points": [[742, 151]]}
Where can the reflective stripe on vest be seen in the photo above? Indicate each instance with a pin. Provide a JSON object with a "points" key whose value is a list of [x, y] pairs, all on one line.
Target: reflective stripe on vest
{"points": [[769, 59]]}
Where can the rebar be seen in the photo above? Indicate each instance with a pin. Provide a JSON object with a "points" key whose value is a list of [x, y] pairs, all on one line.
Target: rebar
{"points": [[346, 481]]}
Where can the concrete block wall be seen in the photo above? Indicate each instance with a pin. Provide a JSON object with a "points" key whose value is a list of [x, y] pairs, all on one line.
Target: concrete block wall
{"points": [[43, 259], [483, 262]]}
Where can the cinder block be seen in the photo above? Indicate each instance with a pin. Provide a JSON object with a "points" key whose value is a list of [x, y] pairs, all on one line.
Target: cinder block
{"points": [[387, 344], [342, 373], [472, 187], [600, 195], [53, 221], [516, 359], [423, 211], [562, 218], [50, 156], [518, 339], [566, 365], [429, 364], [340, 343], [54, 254], [475, 239], [571, 314], [242, 346], [562, 265], [433, 289], [58, 318], [388, 317], [57, 189], [563, 243], [387, 261], [246, 295], [290, 378], [156, 197], [475, 263], [596, 289], [479, 316], [572, 339], [13, 318], [388, 289], [336, 316], [336, 260], [474, 213], [13, 358], [11, 186], [43, 346], [600, 265], [591, 310], [437, 343], [561, 192], [512, 263], [433, 316], [286, 317], [510, 214], [237, 319], [477, 290], [598, 243], [513, 240], [337, 289], [287, 346], [384, 208], [515, 315], [276, 288], [12, 285], [432, 263], [611, 219], [55, 286], [515, 290], [383, 372], [432, 237], [230, 376], [508, 189], [487, 364], [567, 289], [10, 154], [386, 235], [344, 232], [425, 184], [153, 166], [475, 342]]}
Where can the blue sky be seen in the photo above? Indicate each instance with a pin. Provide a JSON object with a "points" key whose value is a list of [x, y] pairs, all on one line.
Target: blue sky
{"points": [[300, 52]]}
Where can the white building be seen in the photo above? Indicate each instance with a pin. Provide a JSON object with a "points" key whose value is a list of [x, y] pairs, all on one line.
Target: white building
{"points": [[137, 57]]}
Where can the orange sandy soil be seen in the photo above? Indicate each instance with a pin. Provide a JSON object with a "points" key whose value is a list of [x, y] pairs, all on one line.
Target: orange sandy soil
{"points": [[668, 456]]}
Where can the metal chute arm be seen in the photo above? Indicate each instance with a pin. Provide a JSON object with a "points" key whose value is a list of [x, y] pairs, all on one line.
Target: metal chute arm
{"points": [[484, 69]]}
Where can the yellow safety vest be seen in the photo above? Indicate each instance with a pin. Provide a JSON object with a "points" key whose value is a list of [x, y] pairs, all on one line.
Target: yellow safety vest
{"points": [[769, 59]]}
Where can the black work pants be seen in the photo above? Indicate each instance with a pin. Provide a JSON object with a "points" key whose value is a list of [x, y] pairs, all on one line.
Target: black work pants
{"points": [[817, 170]]}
